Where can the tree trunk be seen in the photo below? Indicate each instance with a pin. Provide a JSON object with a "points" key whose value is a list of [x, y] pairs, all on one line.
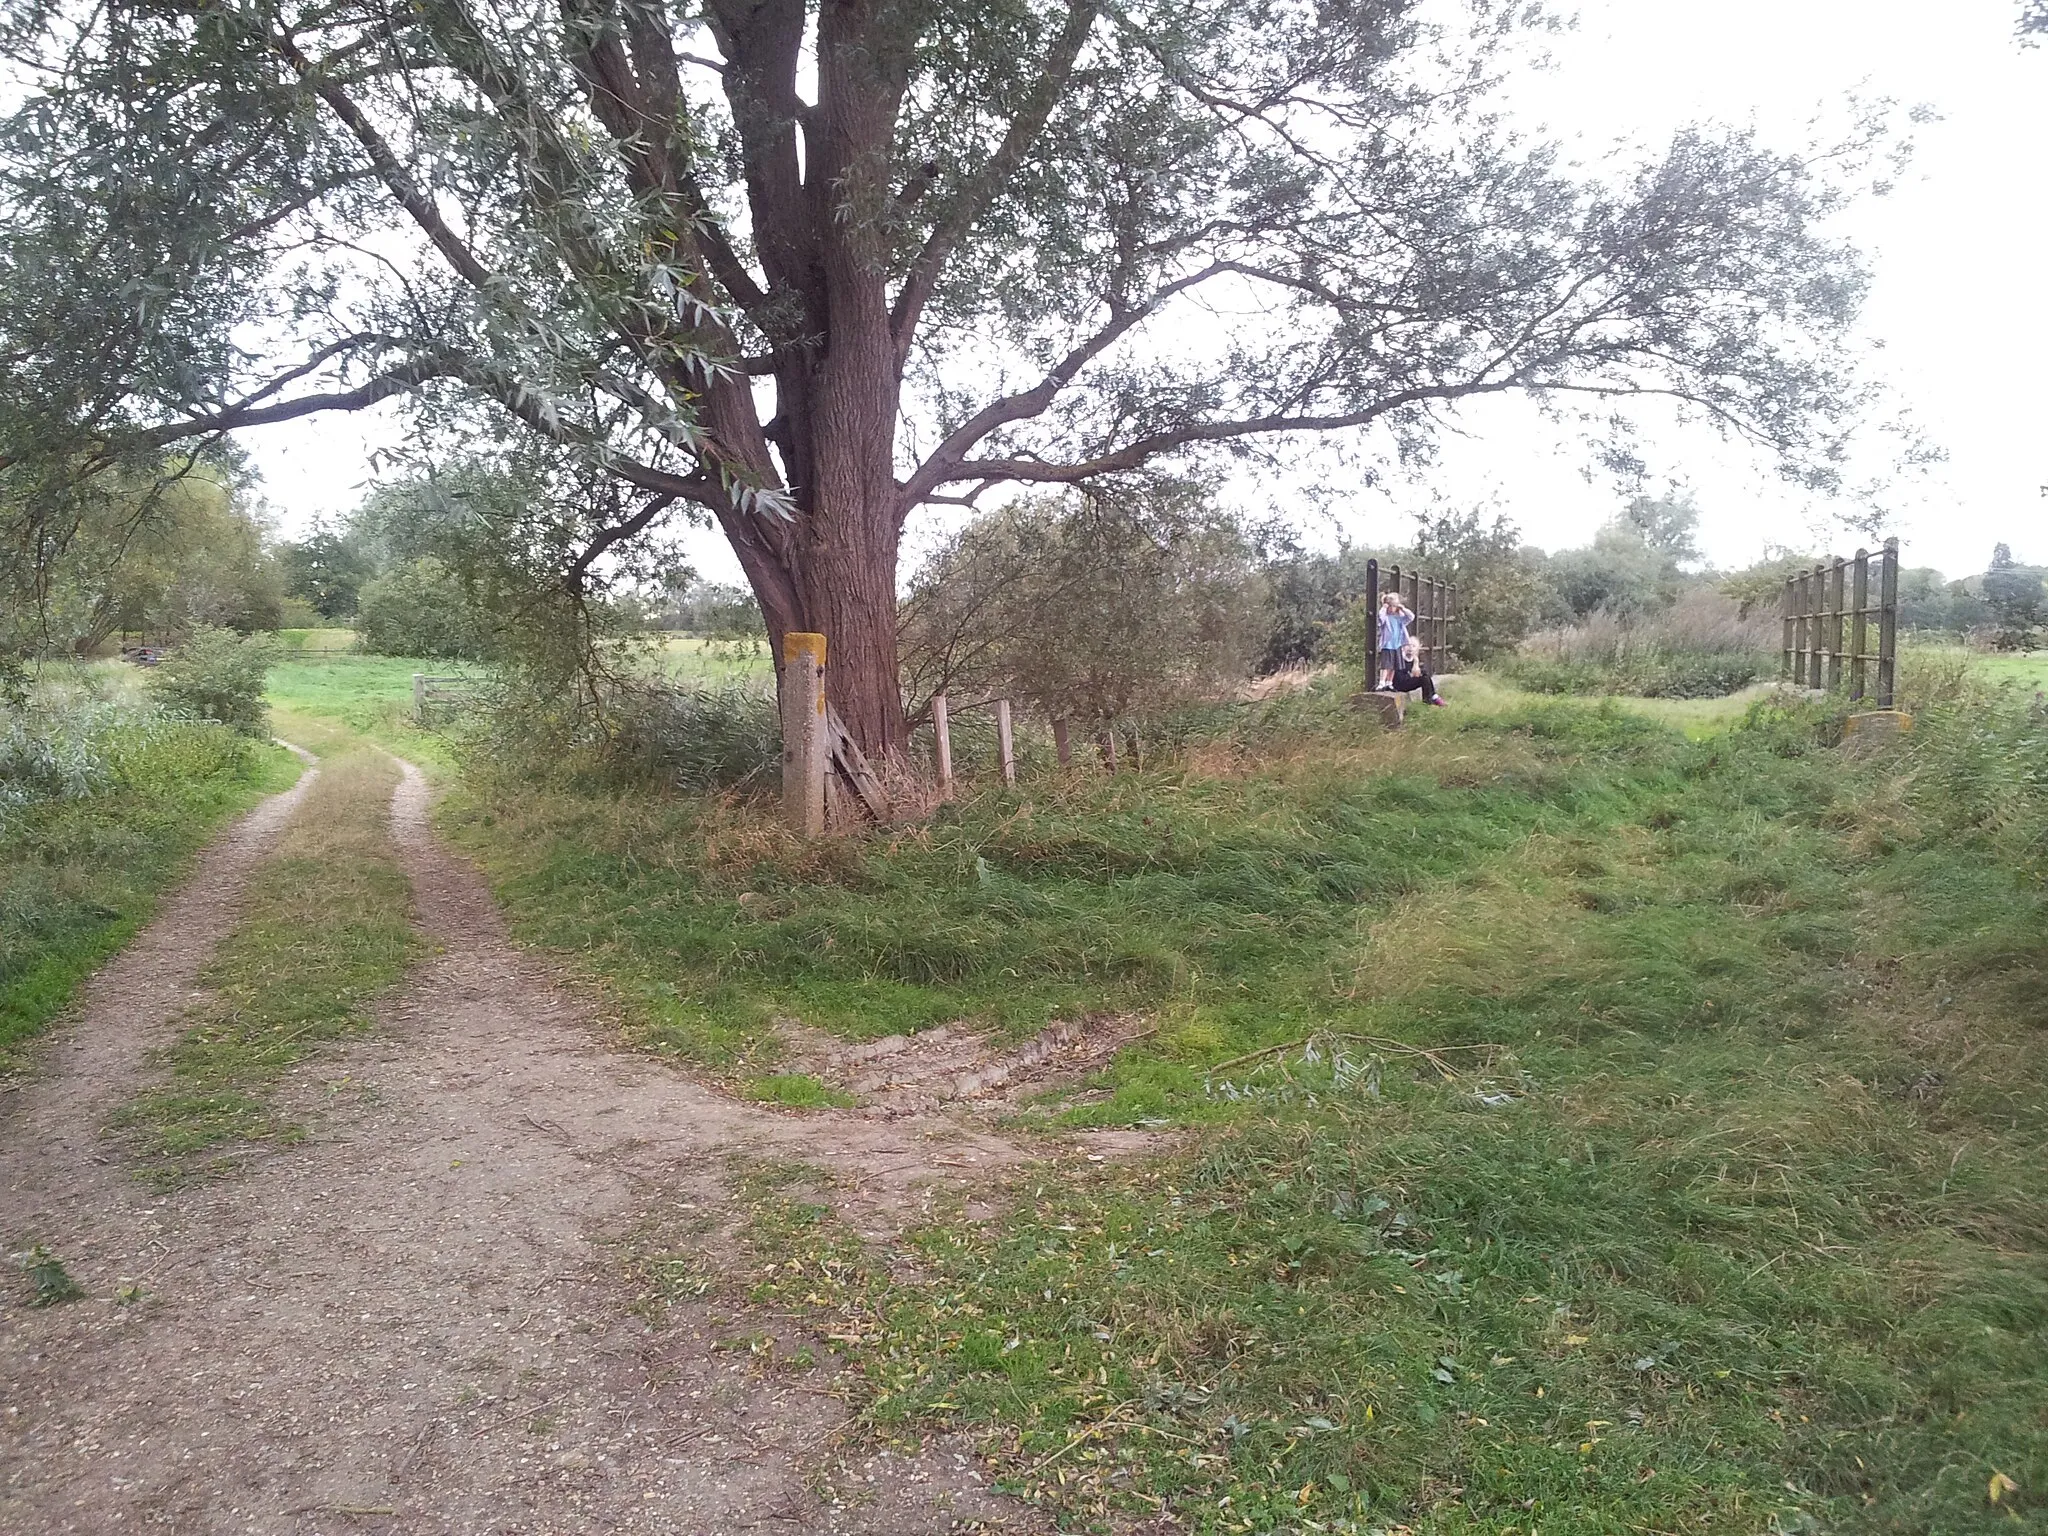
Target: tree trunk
{"points": [[839, 445]]}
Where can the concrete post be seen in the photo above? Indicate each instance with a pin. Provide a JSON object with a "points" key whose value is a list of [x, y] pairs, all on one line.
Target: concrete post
{"points": [[805, 747], [942, 742]]}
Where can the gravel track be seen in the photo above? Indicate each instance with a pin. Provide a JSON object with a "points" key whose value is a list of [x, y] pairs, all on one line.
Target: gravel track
{"points": [[420, 1320]]}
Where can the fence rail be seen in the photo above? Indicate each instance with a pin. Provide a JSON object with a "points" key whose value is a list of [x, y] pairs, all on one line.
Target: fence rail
{"points": [[427, 691], [1828, 613], [1433, 602]]}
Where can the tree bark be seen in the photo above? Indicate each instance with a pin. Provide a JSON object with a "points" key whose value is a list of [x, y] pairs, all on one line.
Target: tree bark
{"points": [[836, 380]]}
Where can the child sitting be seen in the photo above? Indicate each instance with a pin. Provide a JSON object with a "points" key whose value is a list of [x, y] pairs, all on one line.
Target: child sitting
{"points": [[1410, 672]]}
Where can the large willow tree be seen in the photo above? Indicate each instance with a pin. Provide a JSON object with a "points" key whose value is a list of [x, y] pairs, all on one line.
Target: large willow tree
{"points": [[806, 265]]}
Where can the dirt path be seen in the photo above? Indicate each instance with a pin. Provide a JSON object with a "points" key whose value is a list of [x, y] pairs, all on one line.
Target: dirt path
{"points": [[419, 1322]]}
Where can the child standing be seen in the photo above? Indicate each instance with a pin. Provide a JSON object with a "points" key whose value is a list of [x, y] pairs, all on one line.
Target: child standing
{"points": [[1394, 618]]}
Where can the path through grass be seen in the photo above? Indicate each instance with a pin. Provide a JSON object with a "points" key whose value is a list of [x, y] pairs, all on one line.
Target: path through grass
{"points": [[327, 930]]}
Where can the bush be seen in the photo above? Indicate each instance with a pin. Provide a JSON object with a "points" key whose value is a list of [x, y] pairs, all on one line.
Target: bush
{"points": [[51, 754], [218, 675], [1702, 646], [419, 608], [59, 749], [696, 737]]}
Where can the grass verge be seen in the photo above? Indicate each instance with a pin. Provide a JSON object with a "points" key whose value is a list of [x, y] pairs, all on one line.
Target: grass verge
{"points": [[79, 877], [1648, 1134], [327, 931]]}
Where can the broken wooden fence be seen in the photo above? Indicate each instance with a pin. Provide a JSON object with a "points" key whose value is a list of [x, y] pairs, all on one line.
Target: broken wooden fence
{"points": [[429, 691], [943, 711]]}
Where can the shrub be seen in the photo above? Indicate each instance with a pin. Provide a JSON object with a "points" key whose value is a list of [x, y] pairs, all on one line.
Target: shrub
{"points": [[51, 754], [1702, 646], [419, 608], [1129, 601], [218, 675], [696, 736], [60, 748]]}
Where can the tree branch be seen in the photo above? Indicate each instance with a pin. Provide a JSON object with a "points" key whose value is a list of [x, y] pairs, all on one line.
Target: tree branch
{"points": [[975, 198], [247, 413], [416, 203], [607, 537], [939, 468], [1137, 452]]}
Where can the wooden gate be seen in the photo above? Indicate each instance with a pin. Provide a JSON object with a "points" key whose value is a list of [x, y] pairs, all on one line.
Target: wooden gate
{"points": [[1828, 615], [1435, 605]]}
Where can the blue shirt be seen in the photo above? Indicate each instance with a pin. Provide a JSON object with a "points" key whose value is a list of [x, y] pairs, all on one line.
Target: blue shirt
{"points": [[1393, 630]]}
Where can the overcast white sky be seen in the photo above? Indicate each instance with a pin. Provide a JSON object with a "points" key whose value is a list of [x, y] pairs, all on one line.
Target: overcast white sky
{"points": [[1959, 249]]}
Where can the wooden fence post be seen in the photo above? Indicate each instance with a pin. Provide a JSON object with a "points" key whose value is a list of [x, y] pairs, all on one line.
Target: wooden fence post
{"points": [[1061, 744], [942, 742], [1005, 744], [804, 745], [419, 695], [1106, 740], [1833, 623], [1795, 604], [1859, 638], [1816, 597], [1785, 615], [1372, 622], [1887, 622]]}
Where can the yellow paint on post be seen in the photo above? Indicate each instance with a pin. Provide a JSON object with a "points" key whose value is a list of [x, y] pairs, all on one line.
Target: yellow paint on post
{"points": [[796, 642]]}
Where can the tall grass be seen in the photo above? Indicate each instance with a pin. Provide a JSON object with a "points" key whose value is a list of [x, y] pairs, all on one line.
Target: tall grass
{"points": [[101, 803], [1702, 646], [695, 734]]}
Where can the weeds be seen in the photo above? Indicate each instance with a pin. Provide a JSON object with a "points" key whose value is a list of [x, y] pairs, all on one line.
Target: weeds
{"points": [[50, 1283], [1703, 646]]}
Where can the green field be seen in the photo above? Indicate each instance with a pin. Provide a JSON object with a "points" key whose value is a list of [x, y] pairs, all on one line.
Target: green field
{"points": [[1729, 1219], [697, 657], [317, 639], [2028, 671]]}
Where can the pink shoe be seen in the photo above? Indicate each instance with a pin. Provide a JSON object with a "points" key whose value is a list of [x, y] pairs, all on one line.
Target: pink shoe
{"points": [[1438, 701]]}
